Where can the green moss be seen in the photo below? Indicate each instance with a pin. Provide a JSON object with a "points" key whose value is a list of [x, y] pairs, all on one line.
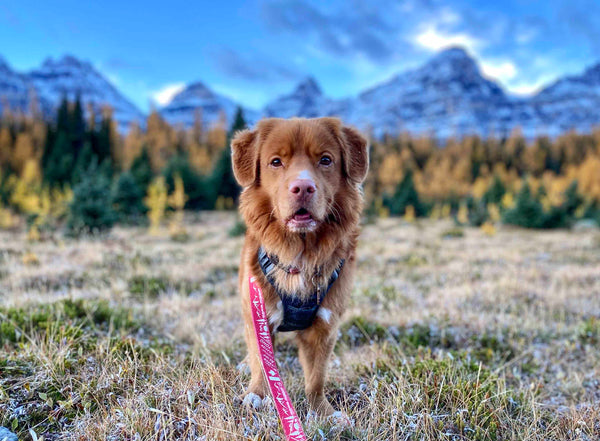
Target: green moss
{"points": [[451, 233], [589, 331], [148, 286]]}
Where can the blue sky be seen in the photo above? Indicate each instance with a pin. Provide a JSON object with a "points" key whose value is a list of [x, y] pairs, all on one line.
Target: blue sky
{"points": [[256, 50]]}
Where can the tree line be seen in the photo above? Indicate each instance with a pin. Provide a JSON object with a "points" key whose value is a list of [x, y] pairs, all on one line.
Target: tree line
{"points": [[78, 171]]}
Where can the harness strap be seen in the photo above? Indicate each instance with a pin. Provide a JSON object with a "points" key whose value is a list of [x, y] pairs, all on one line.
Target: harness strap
{"points": [[298, 313], [285, 409]]}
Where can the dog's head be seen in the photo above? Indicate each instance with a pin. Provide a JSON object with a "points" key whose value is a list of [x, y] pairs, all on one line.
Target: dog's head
{"points": [[300, 165]]}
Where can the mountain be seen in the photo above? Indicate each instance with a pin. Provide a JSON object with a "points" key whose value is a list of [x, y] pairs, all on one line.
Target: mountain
{"points": [[16, 90], [70, 77], [450, 96], [306, 100], [196, 98], [570, 102], [447, 96]]}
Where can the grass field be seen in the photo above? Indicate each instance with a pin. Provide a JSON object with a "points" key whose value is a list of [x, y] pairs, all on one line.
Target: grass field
{"points": [[451, 335]]}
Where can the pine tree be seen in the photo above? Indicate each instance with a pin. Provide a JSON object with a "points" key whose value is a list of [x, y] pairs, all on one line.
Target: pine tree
{"points": [[527, 212], [141, 169], [223, 180], [90, 211], [127, 199], [406, 195]]}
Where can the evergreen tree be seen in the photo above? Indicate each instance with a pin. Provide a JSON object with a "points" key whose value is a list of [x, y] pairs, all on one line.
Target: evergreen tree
{"points": [[61, 161], [495, 192], [90, 211], [199, 194], [222, 179], [141, 169], [527, 212], [406, 195], [127, 199]]}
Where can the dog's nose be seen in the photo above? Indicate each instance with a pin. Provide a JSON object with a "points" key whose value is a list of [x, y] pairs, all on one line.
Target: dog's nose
{"points": [[302, 188]]}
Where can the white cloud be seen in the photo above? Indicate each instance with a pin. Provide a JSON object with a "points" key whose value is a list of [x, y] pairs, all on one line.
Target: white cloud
{"points": [[433, 39], [164, 95], [529, 88], [502, 70]]}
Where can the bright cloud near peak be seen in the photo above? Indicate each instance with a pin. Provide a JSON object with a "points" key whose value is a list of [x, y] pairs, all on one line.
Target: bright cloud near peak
{"points": [[434, 40], [503, 70], [165, 94]]}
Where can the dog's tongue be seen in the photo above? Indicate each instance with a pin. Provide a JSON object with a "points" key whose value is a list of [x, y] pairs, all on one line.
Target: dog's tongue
{"points": [[302, 216]]}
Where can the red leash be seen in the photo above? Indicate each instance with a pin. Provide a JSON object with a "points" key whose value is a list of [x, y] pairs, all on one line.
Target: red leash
{"points": [[285, 408]]}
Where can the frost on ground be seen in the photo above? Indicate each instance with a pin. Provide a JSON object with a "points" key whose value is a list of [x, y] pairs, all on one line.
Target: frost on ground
{"points": [[139, 338]]}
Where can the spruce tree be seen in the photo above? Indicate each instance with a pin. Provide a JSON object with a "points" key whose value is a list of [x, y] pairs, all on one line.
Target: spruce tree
{"points": [[141, 169], [90, 211], [199, 193], [527, 212], [127, 199], [405, 195], [222, 179]]}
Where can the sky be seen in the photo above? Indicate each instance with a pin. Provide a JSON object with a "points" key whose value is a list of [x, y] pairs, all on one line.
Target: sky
{"points": [[256, 50]]}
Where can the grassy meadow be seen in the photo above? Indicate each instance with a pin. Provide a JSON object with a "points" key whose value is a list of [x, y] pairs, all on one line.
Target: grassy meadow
{"points": [[451, 334]]}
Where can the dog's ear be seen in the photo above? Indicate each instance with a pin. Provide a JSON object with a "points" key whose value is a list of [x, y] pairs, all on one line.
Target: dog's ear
{"points": [[354, 149], [357, 154], [243, 157], [245, 151]]}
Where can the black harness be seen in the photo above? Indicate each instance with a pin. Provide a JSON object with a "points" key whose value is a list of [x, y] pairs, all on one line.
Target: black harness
{"points": [[298, 314]]}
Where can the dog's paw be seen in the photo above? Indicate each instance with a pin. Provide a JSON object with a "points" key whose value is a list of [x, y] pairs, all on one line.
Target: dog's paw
{"points": [[253, 401], [340, 420]]}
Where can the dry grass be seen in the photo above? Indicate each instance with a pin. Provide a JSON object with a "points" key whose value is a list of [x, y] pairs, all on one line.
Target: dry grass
{"points": [[448, 337]]}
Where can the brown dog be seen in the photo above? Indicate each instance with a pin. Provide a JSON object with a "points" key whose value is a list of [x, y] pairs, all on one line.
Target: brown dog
{"points": [[301, 204]]}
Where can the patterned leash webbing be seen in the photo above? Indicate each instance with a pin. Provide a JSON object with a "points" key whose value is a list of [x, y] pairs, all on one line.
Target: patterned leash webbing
{"points": [[285, 408]]}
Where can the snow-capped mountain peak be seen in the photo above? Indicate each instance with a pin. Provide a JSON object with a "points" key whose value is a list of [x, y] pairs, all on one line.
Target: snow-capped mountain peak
{"points": [[197, 98], [71, 77], [306, 100]]}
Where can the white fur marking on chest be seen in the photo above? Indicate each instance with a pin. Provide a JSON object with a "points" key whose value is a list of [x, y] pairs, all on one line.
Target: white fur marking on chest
{"points": [[277, 316], [305, 174], [324, 313]]}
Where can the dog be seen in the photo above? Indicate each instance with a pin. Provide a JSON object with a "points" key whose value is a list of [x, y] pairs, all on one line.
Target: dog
{"points": [[301, 202]]}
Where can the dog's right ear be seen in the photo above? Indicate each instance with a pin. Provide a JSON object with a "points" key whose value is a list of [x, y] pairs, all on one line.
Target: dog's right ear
{"points": [[243, 157], [245, 148]]}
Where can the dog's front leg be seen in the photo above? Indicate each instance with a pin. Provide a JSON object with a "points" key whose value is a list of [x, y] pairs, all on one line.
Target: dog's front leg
{"points": [[315, 346]]}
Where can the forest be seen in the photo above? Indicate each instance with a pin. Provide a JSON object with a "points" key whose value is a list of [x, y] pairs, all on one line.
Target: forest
{"points": [[78, 173]]}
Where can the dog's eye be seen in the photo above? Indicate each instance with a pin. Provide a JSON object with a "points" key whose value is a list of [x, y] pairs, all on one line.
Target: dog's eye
{"points": [[276, 162], [325, 160]]}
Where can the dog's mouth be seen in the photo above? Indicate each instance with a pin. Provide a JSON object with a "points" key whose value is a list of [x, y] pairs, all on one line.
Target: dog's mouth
{"points": [[302, 220]]}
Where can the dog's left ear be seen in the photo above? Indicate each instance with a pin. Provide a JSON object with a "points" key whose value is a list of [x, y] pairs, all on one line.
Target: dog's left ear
{"points": [[356, 154], [354, 148], [243, 157]]}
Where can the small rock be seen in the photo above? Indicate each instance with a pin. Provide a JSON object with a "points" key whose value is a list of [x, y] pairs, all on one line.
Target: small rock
{"points": [[7, 435]]}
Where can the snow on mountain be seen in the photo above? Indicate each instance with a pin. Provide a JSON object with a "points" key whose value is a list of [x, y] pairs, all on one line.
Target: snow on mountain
{"points": [[447, 96], [16, 91], [306, 100], [570, 102], [196, 98], [70, 77]]}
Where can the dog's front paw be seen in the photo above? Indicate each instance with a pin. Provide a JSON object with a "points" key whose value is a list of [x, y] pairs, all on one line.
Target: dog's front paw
{"points": [[340, 420], [253, 401]]}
